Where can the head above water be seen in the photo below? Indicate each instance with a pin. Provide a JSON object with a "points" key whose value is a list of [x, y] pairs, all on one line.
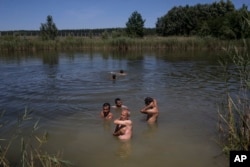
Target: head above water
{"points": [[106, 109], [113, 76], [106, 106], [117, 99], [148, 100], [125, 114], [118, 102]]}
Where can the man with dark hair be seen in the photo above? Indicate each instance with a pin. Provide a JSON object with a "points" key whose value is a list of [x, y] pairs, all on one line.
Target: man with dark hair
{"points": [[151, 109], [105, 113], [118, 104]]}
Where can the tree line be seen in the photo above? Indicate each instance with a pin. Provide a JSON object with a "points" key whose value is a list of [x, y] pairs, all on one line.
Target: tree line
{"points": [[77, 32], [134, 28], [218, 19]]}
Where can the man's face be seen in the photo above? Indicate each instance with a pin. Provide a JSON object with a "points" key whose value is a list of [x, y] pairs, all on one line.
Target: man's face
{"points": [[106, 109], [124, 115], [119, 103]]}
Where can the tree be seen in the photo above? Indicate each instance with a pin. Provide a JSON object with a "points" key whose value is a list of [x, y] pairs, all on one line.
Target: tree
{"points": [[135, 25], [201, 19], [48, 30]]}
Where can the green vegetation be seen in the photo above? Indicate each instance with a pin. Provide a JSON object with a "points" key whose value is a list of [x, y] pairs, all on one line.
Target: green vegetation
{"points": [[135, 25], [48, 31], [219, 19], [11, 44], [23, 144], [202, 26], [234, 114]]}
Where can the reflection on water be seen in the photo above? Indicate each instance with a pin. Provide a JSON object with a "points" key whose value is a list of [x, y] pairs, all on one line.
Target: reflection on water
{"points": [[151, 130], [124, 149], [107, 125], [66, 92], [50, 59]]}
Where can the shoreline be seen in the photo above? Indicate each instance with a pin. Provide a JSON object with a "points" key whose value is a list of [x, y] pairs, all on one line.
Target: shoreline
{"points": [[148, 43]]}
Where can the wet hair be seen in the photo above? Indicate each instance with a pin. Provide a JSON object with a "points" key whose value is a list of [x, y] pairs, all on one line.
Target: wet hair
{"points": [[148, 100], [106, 104], [117, 99], [121, 71]]}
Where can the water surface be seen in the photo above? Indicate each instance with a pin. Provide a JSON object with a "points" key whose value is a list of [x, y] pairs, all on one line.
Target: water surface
{"points": [[66, 92]]}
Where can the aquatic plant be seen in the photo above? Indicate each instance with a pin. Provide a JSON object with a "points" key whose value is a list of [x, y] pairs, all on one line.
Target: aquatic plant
{"points": [[30, 143], [234, 111]]}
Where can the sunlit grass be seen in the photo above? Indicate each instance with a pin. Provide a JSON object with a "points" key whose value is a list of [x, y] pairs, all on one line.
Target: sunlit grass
{"points": [[116, 43]]}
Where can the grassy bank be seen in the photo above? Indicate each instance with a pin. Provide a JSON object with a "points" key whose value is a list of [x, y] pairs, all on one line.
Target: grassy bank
{"points": [[10, 43]]}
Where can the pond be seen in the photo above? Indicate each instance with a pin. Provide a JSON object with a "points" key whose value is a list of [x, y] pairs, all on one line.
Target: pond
{"points": [[65, 91]]}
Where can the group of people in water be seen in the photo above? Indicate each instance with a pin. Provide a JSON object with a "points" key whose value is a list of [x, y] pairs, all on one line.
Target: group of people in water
{"points": [[123, 129]]}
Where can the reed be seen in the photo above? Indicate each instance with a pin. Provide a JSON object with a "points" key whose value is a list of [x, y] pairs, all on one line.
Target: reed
{"points": [[113, 43], [234, 112], [30, 142]]}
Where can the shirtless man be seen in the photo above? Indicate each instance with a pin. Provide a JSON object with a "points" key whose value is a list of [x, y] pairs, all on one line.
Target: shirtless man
{"points": [[123, 128], [105, 113], [118, 104], [151, 109]]}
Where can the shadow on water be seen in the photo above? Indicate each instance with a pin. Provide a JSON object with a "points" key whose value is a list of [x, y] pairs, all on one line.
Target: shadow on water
{"points": [[50, 59]]}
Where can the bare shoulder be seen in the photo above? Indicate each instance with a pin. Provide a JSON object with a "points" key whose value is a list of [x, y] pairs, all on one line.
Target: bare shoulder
{"points": [[110, 115]]}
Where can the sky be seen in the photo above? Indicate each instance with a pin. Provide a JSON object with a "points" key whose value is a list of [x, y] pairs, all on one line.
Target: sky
{"points": [[91, 14]]}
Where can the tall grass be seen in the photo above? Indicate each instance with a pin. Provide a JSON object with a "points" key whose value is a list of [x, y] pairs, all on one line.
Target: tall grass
{"points": [[234, 113], [19, 43], [22, 144]]}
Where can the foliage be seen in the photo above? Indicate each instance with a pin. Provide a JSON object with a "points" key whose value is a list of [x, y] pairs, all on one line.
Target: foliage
{"points": [[219, 19], [48, 31], [135, 25], [105, 35], [234, 114], [30, 143]]}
